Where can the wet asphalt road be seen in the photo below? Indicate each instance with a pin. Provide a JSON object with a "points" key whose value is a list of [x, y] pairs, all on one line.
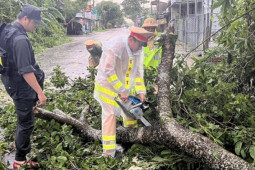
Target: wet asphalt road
{"points": [[73, 57]]}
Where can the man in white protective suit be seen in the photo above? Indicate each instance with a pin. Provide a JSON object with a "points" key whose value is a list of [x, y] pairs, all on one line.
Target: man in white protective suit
{"points": [[119, 71]]}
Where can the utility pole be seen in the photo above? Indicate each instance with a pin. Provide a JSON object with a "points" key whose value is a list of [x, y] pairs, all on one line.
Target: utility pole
{"points": [[151, 7], [158, 1]]}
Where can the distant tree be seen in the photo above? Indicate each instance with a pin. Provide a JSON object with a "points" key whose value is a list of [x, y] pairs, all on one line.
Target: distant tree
{"points": [[70, 8], [110, 13], [9, 10], [133, 8]]}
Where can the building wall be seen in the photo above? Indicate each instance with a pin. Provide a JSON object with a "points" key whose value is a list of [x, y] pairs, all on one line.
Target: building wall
{"points": [[192, 21]]}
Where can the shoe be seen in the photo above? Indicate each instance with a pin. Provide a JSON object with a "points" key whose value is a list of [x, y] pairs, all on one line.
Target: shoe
{"points": [[26, 164]]}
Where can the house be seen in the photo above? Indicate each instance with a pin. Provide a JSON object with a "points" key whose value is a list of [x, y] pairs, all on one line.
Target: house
{"points": [[194, 20], [159, 8]]}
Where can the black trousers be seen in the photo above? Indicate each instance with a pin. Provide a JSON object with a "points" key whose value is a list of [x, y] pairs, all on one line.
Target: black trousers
{"points": [[24, 98], [25, 125]]}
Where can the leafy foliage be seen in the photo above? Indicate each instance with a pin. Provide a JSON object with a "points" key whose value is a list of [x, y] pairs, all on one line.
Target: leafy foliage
{"points": [[110, 13], [59, 79], [9, 10], [204, 102], [69, 8], [133, 8]]}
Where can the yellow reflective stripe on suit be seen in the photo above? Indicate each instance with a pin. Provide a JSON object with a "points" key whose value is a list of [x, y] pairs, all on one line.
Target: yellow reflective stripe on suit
{"points": [[112, 78], [127, 83], [127, 79], [106, 91], [108, 101], [118, 85], [137, 88]]}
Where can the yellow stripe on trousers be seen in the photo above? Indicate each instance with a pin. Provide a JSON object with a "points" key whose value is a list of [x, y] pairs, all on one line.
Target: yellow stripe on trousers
{"points": [[139, 80], [109, 137], [109, 147]]}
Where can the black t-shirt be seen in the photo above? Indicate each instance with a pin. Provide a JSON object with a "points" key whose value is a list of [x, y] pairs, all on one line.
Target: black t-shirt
{"points": [[22, 62], [23, 55]]}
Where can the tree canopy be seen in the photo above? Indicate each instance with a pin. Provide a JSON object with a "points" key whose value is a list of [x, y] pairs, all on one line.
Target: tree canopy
{"points": [[110, 13], [133, 8]]}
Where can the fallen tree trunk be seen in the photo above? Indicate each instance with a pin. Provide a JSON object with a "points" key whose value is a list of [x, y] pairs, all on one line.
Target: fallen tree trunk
{"points": [[194, 144], [170, 133]]}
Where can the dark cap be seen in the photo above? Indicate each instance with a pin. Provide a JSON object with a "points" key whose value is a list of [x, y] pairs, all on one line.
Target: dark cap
{"points": [[33, 13]]}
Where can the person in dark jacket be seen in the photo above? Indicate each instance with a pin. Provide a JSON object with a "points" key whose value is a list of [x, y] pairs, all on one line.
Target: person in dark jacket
{"points": [[24, 79]]}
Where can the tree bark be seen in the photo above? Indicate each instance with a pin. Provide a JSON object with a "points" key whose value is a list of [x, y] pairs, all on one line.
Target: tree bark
{"points": [[194, 144], [170, 133]]}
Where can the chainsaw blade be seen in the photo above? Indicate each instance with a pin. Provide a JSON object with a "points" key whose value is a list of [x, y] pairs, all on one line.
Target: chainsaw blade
{"points": [[145, 122]]}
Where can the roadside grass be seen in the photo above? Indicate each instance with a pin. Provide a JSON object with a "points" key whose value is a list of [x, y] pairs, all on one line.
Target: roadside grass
{"points": [[101, 30]]}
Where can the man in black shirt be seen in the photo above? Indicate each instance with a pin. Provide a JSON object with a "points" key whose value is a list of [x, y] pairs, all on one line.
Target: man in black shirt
{"points": [[24, 81]]}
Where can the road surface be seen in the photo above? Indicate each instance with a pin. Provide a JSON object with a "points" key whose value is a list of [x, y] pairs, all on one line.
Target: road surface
{"points": [[73, 57]]}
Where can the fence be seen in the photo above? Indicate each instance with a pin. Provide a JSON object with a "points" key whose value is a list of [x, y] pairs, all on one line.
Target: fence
{"points": [[194, 29]]}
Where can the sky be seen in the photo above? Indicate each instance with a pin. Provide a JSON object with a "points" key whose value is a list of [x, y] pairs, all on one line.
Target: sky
{"points": [[119, 1]]}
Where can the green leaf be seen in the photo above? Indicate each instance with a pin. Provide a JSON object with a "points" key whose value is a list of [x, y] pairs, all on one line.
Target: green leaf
{"points": [[193, 129], [217, 4], [59, 147], [243, 154], [252, 151], [1, 166], [157, 159], [165, 152], [62, 159], [215, 154], [53, 133], [53, 158], [238, 147]]}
